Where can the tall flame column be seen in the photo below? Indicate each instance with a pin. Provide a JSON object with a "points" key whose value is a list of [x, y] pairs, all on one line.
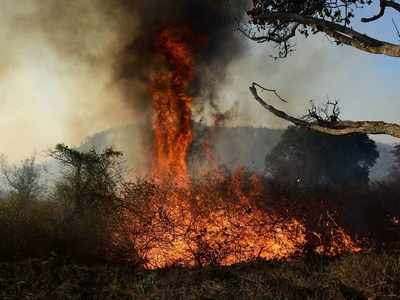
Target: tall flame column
{"points": [[172, 107]]}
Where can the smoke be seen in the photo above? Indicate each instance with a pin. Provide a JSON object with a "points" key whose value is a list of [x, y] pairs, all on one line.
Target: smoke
{"points": [[317, 70], [213, 41], [56, 72], [72, 68], [211, 22]]}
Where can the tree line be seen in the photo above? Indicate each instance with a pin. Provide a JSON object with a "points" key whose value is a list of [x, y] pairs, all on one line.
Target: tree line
{"points": [[78, 215]]}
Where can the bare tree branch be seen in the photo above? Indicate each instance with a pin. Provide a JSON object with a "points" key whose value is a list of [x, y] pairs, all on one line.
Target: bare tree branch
{"points": [[269, 90], [383, 5], [340, 33], [335, 128], [378, 15], [272, 37], [392, 4]]}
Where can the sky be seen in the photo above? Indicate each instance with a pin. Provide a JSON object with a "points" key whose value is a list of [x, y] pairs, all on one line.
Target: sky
{"points": [[366, 85], [48, 95]]}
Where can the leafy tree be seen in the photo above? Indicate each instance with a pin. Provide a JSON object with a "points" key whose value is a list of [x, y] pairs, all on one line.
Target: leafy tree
{"points": [[311, 158], [90, 179], [23, 179]]}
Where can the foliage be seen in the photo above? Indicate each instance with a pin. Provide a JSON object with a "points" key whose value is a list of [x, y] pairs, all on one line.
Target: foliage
{"points": [[45, 242], [75, 220], [41, 228], [309, 158], [140, 220], [90, 179], [334, 11], [273, 25], [23, 179]]}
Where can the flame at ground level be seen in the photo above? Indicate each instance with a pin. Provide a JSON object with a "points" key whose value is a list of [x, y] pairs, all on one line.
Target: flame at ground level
{"points": [[217, 221]]}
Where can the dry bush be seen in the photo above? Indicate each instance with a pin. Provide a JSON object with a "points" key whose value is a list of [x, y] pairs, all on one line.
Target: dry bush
{"points": [[222, 220], [372, 275], [28, 230], [43, 228]]}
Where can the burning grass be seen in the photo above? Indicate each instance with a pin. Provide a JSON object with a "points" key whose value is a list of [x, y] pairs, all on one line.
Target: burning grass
{"points": [[216, 220], [221, 221], [173, 219]]}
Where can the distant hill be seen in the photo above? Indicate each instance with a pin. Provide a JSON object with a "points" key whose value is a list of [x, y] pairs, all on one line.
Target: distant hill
{"points": [[241, 146], [233, 146]]}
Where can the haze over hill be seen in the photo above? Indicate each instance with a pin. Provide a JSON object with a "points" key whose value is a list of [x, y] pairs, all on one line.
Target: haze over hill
{"points": [[232, 147]]}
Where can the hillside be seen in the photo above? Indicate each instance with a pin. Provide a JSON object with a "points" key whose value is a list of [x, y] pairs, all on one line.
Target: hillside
{"points": [[232, 146]]}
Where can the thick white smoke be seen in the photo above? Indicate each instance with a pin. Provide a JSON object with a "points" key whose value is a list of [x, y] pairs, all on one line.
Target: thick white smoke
{"points": [[59, 81], [56, 73]]}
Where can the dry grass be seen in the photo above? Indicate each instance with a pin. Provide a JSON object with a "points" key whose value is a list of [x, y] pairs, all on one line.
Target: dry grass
{"points": [[358, 276], [36, 238]]}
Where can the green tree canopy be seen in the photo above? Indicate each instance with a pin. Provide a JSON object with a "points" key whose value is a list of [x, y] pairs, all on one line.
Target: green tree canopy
{"points": [[90, 178], [311, 158]]}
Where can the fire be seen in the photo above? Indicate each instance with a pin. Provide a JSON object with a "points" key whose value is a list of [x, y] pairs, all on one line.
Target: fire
{"points": [[202, 226], [214, 220], [172, 107]]}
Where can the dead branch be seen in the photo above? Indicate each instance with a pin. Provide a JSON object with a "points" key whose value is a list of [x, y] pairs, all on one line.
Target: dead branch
{"points": [[272, 91], [342, 34], [383, 5], [333, 128]]}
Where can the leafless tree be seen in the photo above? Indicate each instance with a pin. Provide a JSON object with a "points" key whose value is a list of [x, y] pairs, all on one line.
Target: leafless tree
{"points": [[279, 21], [333, 127]]}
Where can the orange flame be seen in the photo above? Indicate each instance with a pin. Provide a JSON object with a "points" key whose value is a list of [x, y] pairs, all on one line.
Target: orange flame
{"points": [[172, 107], [195, 224]]}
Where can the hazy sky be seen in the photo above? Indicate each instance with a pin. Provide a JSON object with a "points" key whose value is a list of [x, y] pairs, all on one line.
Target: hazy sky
{"points": [[48, 95], [56, 74], [366, 85]]}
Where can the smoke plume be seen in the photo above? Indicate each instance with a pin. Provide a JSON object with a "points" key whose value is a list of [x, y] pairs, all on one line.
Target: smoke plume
{"points": [[213, 40], [70, 69], [212, 24]]}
